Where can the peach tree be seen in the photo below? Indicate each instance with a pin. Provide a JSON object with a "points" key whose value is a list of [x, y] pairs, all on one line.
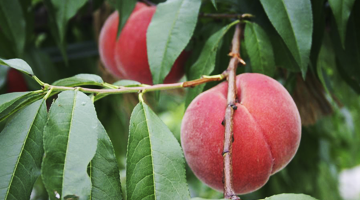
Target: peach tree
{"points": [[123, 99]]}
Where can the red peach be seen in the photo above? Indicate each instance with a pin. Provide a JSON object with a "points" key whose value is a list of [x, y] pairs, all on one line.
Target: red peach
{"points": [[15, 82], [107, 41], [131, 52], [267, 131], [126, 58]]}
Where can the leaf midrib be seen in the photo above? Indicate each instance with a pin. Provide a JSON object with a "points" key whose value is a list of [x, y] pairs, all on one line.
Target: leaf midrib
{"points": [[67, 144]]}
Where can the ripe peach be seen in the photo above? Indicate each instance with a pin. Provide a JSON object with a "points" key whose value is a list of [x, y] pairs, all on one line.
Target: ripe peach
{"points": [[15, 82], [127, 57], [267, 130], [107, 41]]}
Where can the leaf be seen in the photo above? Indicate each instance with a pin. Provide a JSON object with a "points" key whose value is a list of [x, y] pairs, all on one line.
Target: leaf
{"points": [[318, 32], [283, 56], [21, 146], [214, 4], [290, 196], [80, 79], [15, 101], [60, 12], [296, 31], [341, 10], [3, 75], [155, 165], [9, 98], [13, 23], [18, 64], [259, 49], [349, 57], [205, 64], [127, 83], [168, 34], [124, 8], [64, 11], [70, 140], [104, 170]]}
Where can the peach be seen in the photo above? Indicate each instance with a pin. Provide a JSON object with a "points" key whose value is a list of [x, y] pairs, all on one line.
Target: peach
{"points": [[127, 57], [107, 41], [267, 131], [15, 82]]}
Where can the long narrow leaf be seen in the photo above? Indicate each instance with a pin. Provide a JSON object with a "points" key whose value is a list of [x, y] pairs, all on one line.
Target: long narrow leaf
{"points": [[18, 64], [205, 64], [13, 102], [104, 170], [70, 140], [341, 10], [259, 49], [13, 23], [21, 145], [296, 31], [168, 34], [155, 163]]}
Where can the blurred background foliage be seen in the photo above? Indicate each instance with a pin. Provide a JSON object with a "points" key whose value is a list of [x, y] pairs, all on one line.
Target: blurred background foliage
{"points": [[328, 99]]}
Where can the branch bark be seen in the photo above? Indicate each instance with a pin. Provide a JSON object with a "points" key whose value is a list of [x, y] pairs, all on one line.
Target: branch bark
{"points": [[225, 15], [229, 192]]}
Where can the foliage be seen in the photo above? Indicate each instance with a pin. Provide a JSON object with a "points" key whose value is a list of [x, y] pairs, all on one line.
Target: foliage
{"points": [[115, 148]]}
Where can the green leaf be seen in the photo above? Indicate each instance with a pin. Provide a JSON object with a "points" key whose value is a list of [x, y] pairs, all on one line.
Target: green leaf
{"points": [[127, 83], [205, 64], [13, 102], [70, 140], [60, 12], [104, 170], [290, 196], [283, 56], [13, 23], [293, 21], [80, 79], [18, 64], [9, 98], [21, 146], [3, 75], [349, 57], [318, 32], [214, 4], [168, 34], [124, 8], [341, 10], [64, 11], [259, 49], [155, 165]]}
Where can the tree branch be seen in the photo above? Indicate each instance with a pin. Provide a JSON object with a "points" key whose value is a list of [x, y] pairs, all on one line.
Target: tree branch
{"points": [[229, 192], [225, 15], [141, 88]]}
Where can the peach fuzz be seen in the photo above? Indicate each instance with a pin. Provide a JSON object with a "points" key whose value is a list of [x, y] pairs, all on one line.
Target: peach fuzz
{"points": [[267, 131]]}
